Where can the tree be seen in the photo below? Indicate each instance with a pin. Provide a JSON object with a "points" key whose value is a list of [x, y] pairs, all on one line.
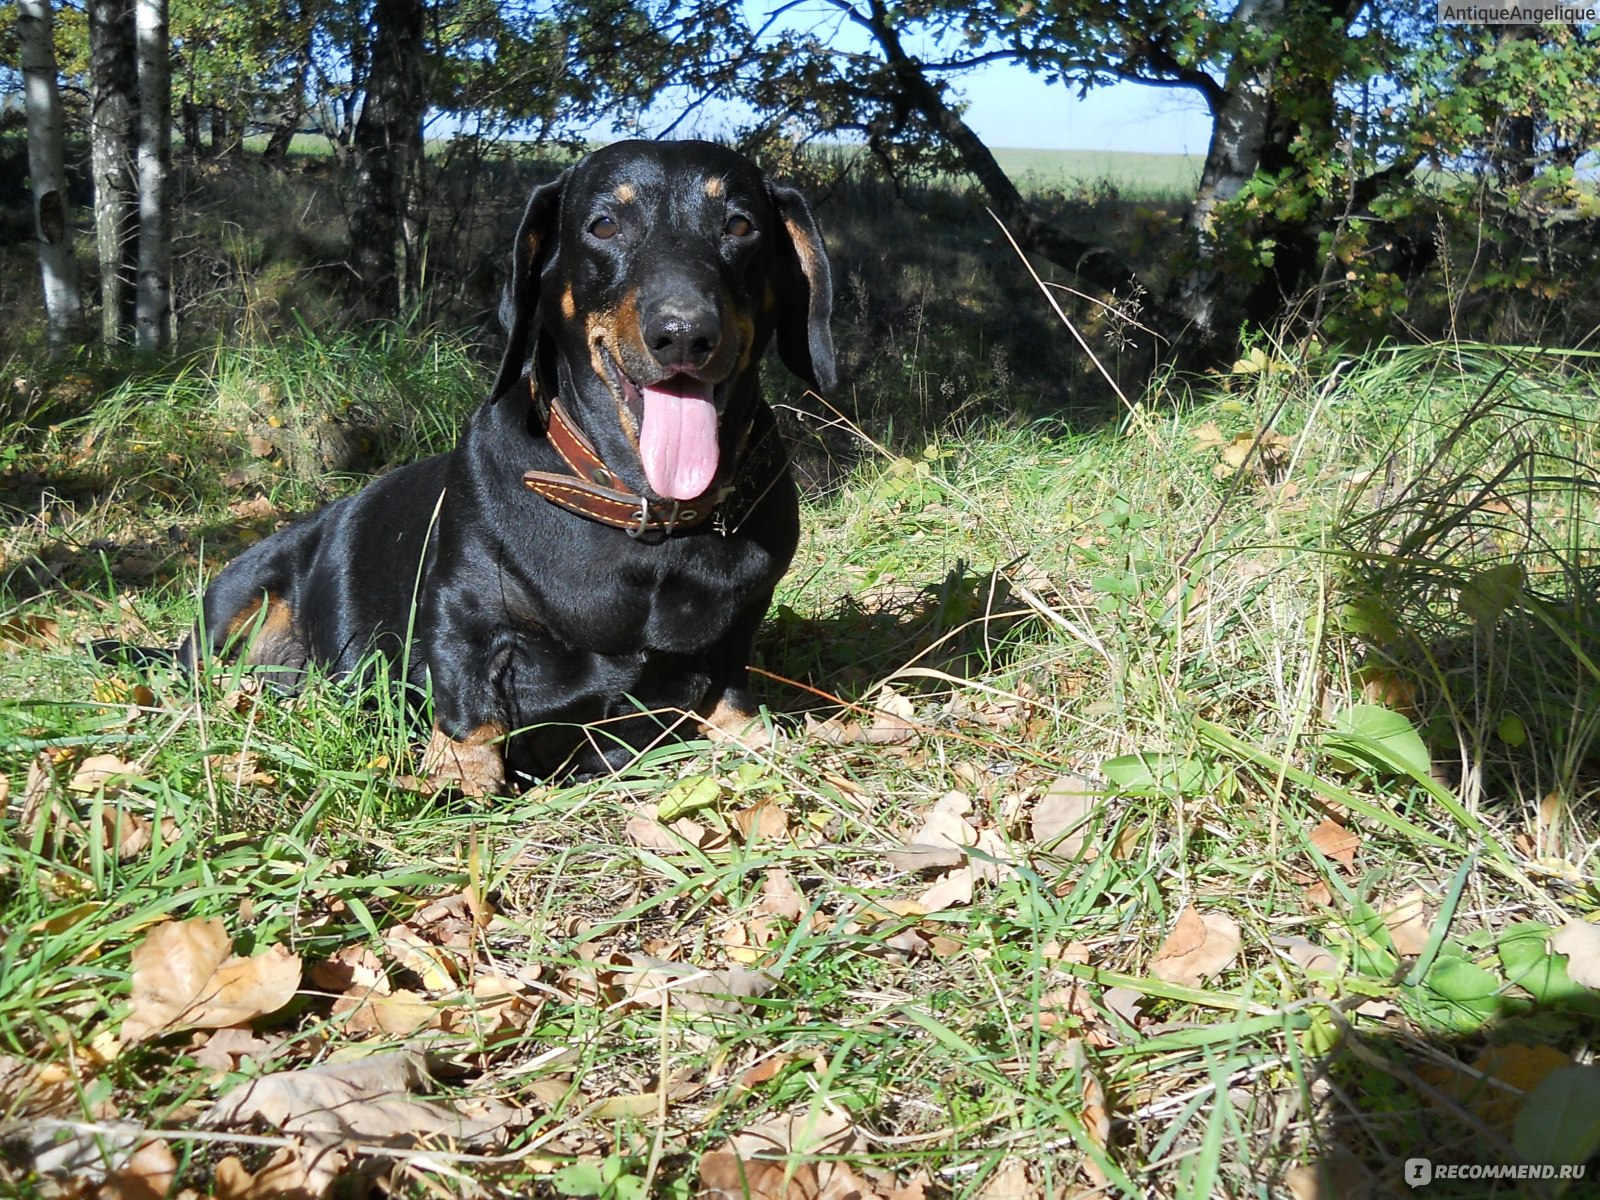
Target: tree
{"points": [[153, 299], [388, 152], [62, 298], [1316, 107], [113, 147]]}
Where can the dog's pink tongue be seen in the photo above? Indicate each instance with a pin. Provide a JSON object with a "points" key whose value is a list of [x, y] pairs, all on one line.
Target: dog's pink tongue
{"points": [[678, 438]]}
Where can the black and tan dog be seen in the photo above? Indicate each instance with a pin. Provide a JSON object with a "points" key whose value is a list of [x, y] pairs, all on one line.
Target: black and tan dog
{"points": [[588, 566]]}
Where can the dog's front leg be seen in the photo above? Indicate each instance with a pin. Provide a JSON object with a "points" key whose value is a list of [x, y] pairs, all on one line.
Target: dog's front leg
{"points": [[729, 713], [467, 749]]}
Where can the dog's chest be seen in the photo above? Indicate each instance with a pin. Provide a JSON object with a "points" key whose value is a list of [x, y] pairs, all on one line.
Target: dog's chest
{"points": [[663, 602]]}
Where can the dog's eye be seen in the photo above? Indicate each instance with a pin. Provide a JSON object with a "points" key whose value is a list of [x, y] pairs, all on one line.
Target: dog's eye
{"points": [[738, 227], [605, 227]]}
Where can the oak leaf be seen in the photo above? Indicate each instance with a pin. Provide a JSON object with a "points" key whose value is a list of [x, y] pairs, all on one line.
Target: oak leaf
{"points": [[185, 977]]}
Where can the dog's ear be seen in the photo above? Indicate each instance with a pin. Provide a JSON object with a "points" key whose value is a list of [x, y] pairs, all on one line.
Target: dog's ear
{"points": [[519, 304], [805, 293]]}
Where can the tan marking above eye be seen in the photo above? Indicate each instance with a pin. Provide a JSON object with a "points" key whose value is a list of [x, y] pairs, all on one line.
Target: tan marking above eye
{"points": [[625, 193], [604, 228], [715, 187]]}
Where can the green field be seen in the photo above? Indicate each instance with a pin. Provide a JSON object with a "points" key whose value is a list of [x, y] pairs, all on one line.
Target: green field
{"points": [[1132, 174]]}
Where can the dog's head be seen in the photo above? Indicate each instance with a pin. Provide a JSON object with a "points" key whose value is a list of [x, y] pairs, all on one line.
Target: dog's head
{"points": [[647, 281]]}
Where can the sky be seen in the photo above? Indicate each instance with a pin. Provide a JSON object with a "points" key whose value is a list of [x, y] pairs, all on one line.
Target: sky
{"points": [[1008, 107]]}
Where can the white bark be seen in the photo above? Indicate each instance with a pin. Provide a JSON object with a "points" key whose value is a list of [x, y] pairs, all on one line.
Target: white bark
{"points": [[63, 301], [153, 304]]}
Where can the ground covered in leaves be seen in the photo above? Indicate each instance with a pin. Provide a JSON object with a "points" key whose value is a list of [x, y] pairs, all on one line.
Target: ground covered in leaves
{"points": [[1199, 806]]}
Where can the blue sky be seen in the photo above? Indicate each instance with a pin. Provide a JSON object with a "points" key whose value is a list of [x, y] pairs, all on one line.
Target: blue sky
{"points": [[1010, 107]]}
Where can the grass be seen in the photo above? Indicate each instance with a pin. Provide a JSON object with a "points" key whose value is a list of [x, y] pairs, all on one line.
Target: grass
{"points": [[1254, 650]]}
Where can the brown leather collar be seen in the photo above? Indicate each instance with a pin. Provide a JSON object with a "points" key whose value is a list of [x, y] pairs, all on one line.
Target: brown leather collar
{"points": [[591, 490]]}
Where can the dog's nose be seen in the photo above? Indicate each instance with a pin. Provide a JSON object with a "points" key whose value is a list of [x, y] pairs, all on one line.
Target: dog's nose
{"points": [[683, 335]]}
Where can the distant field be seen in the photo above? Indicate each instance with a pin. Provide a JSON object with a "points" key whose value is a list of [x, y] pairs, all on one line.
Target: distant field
{"points": [[1066, 170]]}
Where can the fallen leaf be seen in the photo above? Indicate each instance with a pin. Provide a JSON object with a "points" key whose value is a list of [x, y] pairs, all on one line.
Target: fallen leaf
{"points": [[95, 772], [1095, 1112], [184, 977], [764, 822], [226, 1048], [437, 967], [1010, 1181], [691, 988], [1336, 842], [1580, 942], [947, 891], [398, 1014], [350, 968], [1404, 920], [923, 856], [798, 1156], [1197, 948], [304, 1173], [1059, 819], [781, 896], [1307, 955], [148, 1174], [367, 1099]]}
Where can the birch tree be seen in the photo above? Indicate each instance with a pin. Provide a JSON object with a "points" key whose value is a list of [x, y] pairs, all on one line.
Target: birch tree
{"points": [[153, 302], [63, 301], [113, 145]]}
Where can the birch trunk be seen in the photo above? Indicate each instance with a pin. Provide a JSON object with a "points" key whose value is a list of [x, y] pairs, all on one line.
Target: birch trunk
{"points": [[153, 306], [113, 144], [63, 301]]}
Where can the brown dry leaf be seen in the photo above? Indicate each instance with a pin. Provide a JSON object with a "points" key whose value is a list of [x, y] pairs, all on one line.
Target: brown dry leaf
{"points": [[437, 967], [398, 1014], [649, 834], [993, 860], [1064, 809], [1335, 1177], [148, 1174], [767, 1068], [184, 977], [763, 822], [29, 1089], [1407, 924], [1011, 1181], [498, 1005], [1505, 1074], [226, 1048], [240, 770], [690, 988], [451, 920], [1580, 942], [889, 722], [947, 891], [1208, 437], [1336, 842], [352, 968], [31, 630], [97, 771], [368, 1099], [775, 1160], [1197, 948], [256, 508], [1096, 1112], [921, 856], [306, 1173], [1307, 955], [781, 896]]}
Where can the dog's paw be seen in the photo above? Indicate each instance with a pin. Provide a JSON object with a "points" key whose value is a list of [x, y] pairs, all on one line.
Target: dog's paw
{"points": [[727, 725], [473, 765]]}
